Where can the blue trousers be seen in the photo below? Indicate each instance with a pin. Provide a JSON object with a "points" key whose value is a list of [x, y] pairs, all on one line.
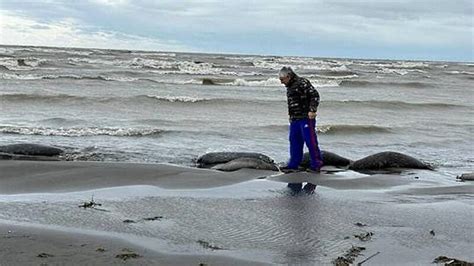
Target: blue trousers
{"points": [[304, 131]]}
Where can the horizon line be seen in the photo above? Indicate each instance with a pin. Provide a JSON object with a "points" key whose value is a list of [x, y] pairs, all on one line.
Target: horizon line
{"points": [[236, 53]]}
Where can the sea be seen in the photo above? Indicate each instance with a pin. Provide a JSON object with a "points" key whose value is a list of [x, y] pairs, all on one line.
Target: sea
{"points": [[169, 107]]}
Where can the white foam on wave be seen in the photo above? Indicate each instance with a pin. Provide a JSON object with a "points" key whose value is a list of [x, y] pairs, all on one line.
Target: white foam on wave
{"points": [[300, 63], [79, 132], [393, 64], [176, 81], [184, 99], [175, 67], [274, 82], [400, 72], [193, 68], [161, 66], [58, 50], [69, 76], [334, 77], [13, 63], [271, 82], [408, 64], [76, 60], [139, 62], [455, 72]]}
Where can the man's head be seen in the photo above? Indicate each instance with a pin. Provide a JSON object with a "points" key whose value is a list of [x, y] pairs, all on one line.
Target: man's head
{"points": [[286, 74]]}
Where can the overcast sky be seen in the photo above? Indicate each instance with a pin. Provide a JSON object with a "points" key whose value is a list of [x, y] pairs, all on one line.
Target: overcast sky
{"points": [[394, 29]]}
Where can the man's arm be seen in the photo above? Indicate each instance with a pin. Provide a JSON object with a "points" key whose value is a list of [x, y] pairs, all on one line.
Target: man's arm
{"points": [[313, 96]]}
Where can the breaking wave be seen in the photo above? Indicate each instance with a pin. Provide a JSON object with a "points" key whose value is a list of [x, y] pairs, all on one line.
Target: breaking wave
{"points": [[182, 99], [457, 72], [337, 129], [26, 63], [80, 132], [72, 98], [141, 99], [75, 77], [270, 82], [351, 129], [367, 84]]}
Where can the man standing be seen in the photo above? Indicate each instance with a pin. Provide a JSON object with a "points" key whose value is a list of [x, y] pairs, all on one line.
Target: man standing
{"points": [[303, 101]]}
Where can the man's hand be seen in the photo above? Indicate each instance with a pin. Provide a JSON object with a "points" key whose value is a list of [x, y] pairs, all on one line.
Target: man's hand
{"points": [[311, 115]]}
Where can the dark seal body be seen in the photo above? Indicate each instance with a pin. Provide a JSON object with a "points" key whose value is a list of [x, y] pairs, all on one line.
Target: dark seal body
{"points": [[329, 158], [31, 149], [239, 163], [388, 160], [211, 159]]}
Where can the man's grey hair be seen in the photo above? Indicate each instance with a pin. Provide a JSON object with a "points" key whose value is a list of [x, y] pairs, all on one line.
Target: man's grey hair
{"points": [[286, 71]]}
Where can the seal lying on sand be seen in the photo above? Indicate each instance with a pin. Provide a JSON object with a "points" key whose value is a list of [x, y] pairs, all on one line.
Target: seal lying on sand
{"points": [[466, 177], [231, 161], [329, 158], [9, 156], [31, 149], [211, 159], [245, 162], [386, 160]]}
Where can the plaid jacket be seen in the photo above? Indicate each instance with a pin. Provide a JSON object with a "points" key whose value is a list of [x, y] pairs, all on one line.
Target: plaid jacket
{"points": [[302, 98]]}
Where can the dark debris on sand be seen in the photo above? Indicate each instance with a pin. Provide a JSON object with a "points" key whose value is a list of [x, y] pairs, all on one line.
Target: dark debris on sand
{"points": [[364, 236], [44, 255], [452, 261], [153, 218], [127, 254], [360, 224], [92, 205], [349, 257], [207, 245]]}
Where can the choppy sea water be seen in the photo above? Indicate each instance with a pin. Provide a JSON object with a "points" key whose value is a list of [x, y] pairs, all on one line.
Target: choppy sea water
{"points": [[140, 106]]}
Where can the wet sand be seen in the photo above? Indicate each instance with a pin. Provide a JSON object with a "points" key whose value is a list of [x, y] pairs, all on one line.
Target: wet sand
{"points": [[37, 245], [172, 215]]}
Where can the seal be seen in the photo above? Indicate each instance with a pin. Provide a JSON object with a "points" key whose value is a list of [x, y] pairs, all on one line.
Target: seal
{"points": [[245, 162], [31, 149], [329, 158], [388, 160], [211, 159], [9, 156], [466, 177]]}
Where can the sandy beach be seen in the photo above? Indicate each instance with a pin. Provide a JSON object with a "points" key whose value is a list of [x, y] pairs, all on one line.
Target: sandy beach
{"points": [[174, 215]]}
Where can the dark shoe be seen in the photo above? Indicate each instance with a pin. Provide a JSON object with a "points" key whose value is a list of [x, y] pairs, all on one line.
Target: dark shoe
{"points": [[295, 187], [309, 188]]}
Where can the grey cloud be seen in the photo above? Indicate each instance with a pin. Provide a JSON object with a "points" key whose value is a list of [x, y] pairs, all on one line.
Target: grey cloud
{"points": [[211, 23]]}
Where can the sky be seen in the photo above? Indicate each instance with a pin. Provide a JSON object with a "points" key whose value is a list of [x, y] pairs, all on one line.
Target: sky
{"points": [[440, 30]]}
